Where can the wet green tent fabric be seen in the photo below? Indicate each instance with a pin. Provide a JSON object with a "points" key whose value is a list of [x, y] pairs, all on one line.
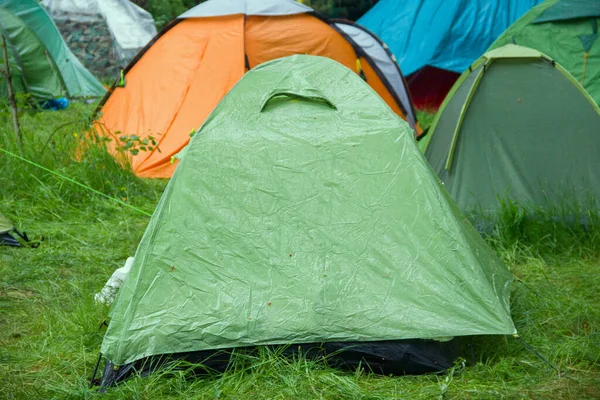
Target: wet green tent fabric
{"points": [[41, 62], [38, 75], [518, 128], [566, 31], [302, 211], [5, 224]]}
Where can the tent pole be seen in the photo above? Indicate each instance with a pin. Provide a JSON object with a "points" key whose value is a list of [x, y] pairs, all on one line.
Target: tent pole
{"points": [[11, 96]]}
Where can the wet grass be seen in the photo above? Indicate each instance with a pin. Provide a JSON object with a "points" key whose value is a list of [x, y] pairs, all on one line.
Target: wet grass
{"points": [[50, 327]]}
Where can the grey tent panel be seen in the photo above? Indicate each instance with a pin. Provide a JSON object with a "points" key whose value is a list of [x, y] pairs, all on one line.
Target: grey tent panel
{"points": [[216, 8], [384, 61], [130, 26]]}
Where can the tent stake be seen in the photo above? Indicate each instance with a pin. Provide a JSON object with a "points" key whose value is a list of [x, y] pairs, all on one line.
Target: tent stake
{"points": [[92, 383], [11, 96], [536, 353]]}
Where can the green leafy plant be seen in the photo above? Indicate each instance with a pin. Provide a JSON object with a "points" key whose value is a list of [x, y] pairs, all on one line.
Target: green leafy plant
{"points": [[25, 101], [134, 144]]}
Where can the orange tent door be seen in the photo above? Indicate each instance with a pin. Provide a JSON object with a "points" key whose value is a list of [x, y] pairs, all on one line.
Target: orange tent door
{"points": [[173, 88]]}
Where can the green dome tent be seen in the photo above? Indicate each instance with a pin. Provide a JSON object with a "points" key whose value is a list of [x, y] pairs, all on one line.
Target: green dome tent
{"points": [[302, 212], [40, 61], [566, 31], [517, 127]]}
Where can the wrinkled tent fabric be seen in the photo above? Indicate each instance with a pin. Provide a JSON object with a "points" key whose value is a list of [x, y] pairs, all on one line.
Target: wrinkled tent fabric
{"points": [[444, 35], [563, 10], [31, 71], [131, 26], [280, 226], [172, 86], [567, 31], [517, 128], [41, 62]]}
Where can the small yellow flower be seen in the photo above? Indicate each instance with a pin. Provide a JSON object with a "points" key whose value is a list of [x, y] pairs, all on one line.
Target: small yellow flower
{"points": [[124, 198], [75, 134], [123, 189]]}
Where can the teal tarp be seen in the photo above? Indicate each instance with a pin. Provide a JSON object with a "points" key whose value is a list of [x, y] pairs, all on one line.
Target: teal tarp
{"points": [[444, 34]]}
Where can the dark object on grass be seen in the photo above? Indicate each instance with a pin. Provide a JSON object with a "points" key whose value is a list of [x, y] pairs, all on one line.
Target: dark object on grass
{"points": [[394, 357], [7, 230]]}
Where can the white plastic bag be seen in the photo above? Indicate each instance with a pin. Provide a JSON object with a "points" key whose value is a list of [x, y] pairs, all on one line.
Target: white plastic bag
{"points": [[109, 291]]}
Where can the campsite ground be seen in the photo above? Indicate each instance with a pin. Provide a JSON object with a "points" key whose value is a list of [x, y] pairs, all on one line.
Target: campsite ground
{"points": [[50, 327]]}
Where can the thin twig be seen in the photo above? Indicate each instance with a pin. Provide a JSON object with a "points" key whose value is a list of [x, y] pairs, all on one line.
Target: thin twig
{"points": [[11, 96], [54, 132]]}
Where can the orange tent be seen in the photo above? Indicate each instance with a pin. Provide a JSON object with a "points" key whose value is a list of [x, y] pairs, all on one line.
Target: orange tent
{"points": [[173, 84]]}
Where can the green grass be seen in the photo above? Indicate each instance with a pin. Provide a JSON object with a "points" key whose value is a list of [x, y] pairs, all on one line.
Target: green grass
{"points": [[50, 331], [425, 118]]}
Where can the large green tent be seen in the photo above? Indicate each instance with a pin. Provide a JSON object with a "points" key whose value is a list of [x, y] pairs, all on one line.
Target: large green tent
{"points": [[40, 61], [517, 128], [566, 31], [303, 212]]}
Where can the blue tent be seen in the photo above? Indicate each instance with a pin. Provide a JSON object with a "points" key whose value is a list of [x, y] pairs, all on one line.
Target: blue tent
{"points": [[444, 34]]}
